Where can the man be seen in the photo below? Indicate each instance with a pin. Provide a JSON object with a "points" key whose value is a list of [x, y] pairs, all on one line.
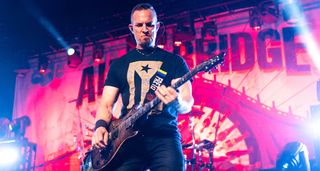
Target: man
{"points": [[157, 147]]}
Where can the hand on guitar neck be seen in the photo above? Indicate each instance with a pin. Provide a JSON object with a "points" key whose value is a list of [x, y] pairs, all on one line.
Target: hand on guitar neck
{"points": [[181, 98]]}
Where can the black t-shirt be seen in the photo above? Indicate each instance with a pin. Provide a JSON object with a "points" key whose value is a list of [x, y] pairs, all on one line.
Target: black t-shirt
{"points": [[133, 74]]}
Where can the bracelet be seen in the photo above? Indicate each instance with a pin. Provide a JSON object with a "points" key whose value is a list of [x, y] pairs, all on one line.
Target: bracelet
{"points": [[101, 123]]}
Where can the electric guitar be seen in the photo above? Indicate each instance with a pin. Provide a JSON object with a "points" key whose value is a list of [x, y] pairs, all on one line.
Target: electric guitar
{"points": [[122, 131]]}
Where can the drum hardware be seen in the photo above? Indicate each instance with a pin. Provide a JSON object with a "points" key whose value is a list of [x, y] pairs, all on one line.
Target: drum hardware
{"points": [[203, 146], [198, 148]]}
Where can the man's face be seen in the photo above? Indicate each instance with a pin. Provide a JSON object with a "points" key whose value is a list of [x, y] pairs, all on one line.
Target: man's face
{"points": [[144, 27]]}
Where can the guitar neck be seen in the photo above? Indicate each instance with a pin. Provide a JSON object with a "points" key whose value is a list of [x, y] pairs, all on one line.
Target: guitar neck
{"points": [[204, 66]]}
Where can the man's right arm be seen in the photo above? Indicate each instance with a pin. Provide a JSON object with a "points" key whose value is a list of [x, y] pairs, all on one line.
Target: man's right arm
{"points": [[104, 116]]}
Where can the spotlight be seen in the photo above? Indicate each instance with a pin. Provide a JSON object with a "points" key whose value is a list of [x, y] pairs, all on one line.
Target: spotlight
{"points": [[291, 11], [74, 56], [70, 51], [98, 53], [43, 64], [294, 157], [254, 19], [9, 155], [17, 154]]}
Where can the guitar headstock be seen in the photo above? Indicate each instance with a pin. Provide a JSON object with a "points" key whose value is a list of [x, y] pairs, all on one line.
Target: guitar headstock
{"points": [[212, 63]]}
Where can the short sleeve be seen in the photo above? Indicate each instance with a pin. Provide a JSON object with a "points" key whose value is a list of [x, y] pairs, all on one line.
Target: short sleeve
{"points": [[112, 78], [181, 67]]}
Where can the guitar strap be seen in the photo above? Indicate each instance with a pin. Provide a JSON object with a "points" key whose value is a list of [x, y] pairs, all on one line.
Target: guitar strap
{"points": [[157, 81]]}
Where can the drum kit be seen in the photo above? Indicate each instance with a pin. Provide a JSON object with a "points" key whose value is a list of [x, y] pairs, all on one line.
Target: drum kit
{"points": [[194, 152]]}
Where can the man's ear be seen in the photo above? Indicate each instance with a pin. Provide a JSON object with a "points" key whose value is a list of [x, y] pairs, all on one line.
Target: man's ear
{"points": [[158, 25], [130, 28]]}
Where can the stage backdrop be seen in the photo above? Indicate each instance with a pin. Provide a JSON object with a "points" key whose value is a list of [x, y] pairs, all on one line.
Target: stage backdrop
{"points": [[250, 107]]}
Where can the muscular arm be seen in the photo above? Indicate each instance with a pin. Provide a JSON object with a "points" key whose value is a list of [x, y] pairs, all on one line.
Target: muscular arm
{"points": [[104, 112], [109, 96]]}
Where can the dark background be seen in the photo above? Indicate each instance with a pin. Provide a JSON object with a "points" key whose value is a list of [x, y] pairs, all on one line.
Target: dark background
{"points": [[22, 36]]}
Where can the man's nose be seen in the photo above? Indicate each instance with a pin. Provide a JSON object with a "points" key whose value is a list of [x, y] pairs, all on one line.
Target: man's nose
{"points": [[145, 29]]}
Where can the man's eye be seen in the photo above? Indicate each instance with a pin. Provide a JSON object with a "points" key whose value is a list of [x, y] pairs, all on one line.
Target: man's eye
{"points": [[139, 25], [150, 25]]}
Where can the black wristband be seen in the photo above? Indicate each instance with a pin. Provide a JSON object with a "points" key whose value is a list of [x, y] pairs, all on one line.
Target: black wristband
{"points": [[101, 123]]}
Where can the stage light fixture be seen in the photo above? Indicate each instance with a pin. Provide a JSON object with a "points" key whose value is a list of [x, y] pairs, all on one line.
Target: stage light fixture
{"points": [[18, 126], [255, 19], [98, 53], [185, 31], [74, 56], [43, 64], [209, 30], [294, 157], [269, 11]]}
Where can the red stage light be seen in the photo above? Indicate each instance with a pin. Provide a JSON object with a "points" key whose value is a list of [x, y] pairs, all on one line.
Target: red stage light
{"points": [[257, 28], [43, 64], [98, 53], [255, 19], [98, 60], [42, 71]]}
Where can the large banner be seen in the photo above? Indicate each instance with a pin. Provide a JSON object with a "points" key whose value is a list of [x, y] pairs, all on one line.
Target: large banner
{"points": [[249, 108]]}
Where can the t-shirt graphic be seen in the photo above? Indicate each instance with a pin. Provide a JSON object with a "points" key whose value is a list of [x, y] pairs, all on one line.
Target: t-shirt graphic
{"points": [[143, 71]]}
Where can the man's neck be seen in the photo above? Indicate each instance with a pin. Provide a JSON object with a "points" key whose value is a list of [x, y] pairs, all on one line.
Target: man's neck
{"points": [[146, 51], [146, 47]]}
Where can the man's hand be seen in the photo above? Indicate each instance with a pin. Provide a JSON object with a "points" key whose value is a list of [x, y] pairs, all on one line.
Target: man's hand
{"points": [[182, 100], [166, 94], [100, 137]]}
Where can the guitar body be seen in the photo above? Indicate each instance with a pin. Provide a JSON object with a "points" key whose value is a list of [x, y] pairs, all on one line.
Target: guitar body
{"points": [[103, 159]]}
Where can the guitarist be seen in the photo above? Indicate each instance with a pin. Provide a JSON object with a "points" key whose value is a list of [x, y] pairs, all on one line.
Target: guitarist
{"points": [[133, 76]]}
